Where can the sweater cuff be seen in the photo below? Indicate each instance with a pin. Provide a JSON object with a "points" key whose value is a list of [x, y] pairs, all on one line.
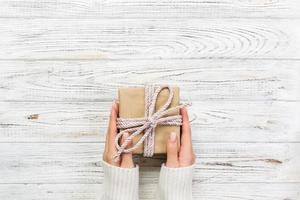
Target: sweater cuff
{"points": [[176, 183], [120, 183]]}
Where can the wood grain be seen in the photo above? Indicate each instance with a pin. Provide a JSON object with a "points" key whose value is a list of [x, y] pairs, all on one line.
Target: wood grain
{"points": [[201, 191], [150, 9], [100, 39], [97, 81], [217, 163], [241, 121], [62, 61]]}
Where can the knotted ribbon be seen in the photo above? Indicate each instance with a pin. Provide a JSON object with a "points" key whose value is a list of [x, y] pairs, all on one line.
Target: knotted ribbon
{"points": [[147, 124]]}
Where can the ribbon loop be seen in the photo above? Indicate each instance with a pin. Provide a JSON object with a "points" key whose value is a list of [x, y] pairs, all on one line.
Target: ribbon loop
{"points": [[147, 124]]}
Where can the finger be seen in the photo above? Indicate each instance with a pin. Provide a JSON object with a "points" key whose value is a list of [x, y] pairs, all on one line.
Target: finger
{"points": [[112, 128], [126, 158], [105, 153], [105, 148], [172, 151], [111, 135], [186, 138], [186, 155]]}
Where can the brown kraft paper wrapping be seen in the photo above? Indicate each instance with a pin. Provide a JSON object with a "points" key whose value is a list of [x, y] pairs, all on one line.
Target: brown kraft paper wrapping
{"points": [[132, 105]]}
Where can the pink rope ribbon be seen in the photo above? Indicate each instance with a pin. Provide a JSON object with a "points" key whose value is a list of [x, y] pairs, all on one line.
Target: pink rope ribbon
{"points": [[135, 126]]}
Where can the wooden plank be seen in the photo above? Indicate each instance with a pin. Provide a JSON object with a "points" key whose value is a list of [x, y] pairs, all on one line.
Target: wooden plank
{"points": [[257, 191], [206, 80], [75, 163], [150, 9], [213, 121], [101, 39]]}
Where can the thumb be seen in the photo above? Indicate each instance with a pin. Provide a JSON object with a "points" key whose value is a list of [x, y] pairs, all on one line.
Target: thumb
{"points": [[126, 160], [172, 151]]}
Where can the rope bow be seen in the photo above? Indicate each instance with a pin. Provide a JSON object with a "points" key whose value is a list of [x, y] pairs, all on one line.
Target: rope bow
{"points": [[147, 124]]}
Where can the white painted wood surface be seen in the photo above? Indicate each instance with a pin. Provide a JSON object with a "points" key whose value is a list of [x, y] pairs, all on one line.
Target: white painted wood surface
{"points": [[106, 39], [62, 61]]}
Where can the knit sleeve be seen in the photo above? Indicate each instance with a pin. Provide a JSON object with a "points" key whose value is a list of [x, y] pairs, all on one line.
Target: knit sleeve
{"points": [[120, 183], [175, 183]]}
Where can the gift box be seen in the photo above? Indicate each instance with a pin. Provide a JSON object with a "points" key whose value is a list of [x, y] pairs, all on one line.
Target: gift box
{"points": [[132, 105]]}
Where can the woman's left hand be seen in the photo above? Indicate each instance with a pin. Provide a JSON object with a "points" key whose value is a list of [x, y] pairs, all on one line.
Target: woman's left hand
{"points": [[125, 160]]}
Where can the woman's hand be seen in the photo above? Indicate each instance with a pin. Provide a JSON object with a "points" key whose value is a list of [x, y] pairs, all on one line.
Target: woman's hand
{"points": [[125, 160], [186, 155]]}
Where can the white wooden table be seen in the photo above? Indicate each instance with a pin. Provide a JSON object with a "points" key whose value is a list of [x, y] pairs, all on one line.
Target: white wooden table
{"points": [[62, 61]]}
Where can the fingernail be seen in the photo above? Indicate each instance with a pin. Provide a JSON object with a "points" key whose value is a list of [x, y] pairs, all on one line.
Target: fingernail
{"points": [[113, 105], [173, 137], [116, 100]]}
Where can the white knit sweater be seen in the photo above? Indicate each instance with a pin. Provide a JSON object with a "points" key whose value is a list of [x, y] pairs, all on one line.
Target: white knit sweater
{"points": [[123, 183]]}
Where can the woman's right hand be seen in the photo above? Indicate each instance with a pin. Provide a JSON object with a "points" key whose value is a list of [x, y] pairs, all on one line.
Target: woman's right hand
{"points": [[186, 156]]}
